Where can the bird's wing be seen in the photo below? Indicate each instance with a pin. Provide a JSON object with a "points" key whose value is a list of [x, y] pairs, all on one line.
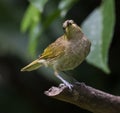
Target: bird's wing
{"points": [[54, 50]]}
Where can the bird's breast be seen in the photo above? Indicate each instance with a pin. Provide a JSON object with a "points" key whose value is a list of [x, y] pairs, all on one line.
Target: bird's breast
{"points": [[75, 53]]}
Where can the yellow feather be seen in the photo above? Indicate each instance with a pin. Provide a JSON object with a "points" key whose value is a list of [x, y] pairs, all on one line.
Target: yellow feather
{"points": [[54, 50], [32, 66]]}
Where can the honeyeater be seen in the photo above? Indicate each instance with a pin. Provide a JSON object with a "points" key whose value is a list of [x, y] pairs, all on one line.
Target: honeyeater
{"points": [[66, 53]]}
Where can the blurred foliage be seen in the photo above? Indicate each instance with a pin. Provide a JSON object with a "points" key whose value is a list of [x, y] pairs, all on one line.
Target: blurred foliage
{"points": [[99, 27], [99, 30], [31, 22], [37, 27]]}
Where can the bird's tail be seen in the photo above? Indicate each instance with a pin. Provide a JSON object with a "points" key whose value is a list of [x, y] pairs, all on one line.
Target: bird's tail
{"points": [[32, 66]]}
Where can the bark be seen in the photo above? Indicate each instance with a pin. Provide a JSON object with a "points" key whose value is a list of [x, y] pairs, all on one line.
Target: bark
{"points": [[87, 98]]}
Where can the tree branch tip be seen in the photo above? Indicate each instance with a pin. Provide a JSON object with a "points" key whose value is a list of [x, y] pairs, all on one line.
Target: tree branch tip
{"points": [[54, 91]]}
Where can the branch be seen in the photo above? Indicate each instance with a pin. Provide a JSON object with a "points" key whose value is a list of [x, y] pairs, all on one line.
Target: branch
{"points": [[87, 98]]}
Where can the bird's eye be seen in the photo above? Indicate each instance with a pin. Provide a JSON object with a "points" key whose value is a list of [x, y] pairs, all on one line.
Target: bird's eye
{"points": [[70, 22]]}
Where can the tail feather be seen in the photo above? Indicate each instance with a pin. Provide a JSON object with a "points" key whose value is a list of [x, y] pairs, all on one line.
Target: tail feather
{"points": [[32, 66]]}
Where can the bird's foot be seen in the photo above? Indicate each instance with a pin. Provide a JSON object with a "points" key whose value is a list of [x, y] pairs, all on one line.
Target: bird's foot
{"points": [[68, 85], [65, 82]]}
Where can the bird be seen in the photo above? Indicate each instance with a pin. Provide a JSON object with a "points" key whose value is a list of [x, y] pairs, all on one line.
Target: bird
{"points": [[66, 53]]}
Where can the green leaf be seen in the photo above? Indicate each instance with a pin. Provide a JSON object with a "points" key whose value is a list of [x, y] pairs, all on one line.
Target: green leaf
{"points": [[108, 10], [39, 4], [99, 27], [34, 34], [31, 21], [31, 16]]}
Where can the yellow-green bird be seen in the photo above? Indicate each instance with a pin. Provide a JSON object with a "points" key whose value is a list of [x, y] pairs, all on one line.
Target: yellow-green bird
{"points": [[66, 53]]}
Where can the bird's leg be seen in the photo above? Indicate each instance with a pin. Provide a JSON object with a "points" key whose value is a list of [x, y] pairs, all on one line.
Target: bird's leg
{"points": [[64, 81]]}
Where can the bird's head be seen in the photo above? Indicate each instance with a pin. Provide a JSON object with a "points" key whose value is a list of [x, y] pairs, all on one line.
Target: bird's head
{"points": [[71, 29]]}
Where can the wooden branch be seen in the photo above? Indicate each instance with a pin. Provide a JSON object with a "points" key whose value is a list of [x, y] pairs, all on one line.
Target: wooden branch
{"points": [[87, 98]]}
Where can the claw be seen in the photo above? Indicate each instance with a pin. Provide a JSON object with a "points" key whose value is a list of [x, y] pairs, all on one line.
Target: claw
{"points": [[64, 81], [68, 84]]}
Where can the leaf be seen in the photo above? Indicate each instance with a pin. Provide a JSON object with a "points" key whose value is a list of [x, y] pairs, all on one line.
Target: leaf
{"points": [[31, 21], [108, 10], [31, 16], [34, 34], [99, 29], [39, 4]]}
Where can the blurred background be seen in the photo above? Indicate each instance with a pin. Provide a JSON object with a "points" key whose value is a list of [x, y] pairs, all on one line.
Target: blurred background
{"points": [[24, 92]]}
